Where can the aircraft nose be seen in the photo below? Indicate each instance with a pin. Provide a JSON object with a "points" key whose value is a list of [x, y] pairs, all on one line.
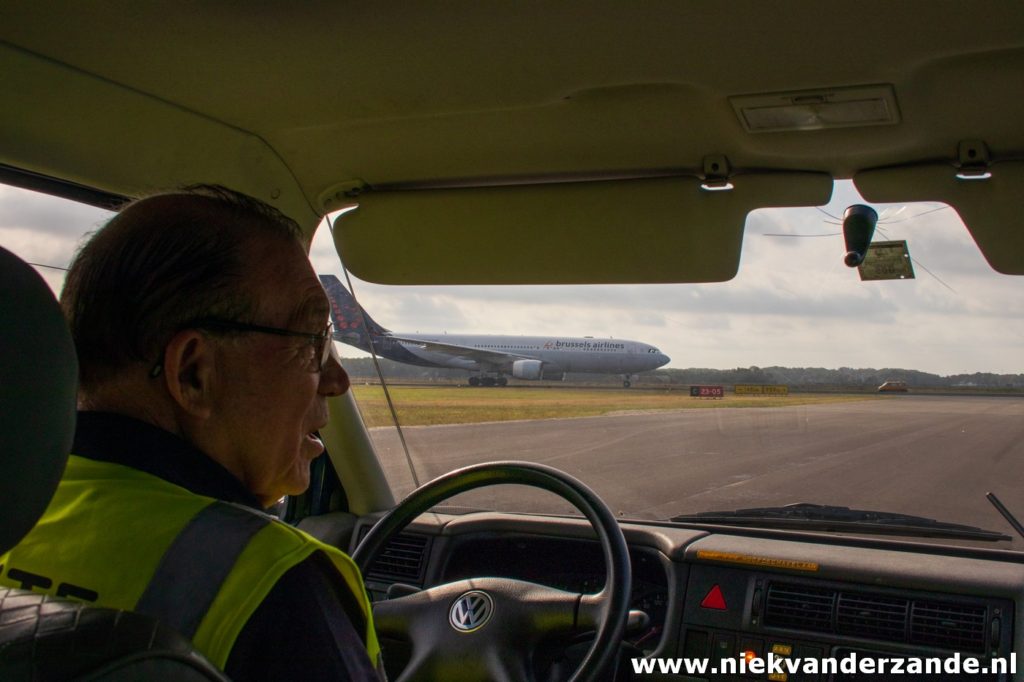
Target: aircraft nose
{"points": [[663, 359]]}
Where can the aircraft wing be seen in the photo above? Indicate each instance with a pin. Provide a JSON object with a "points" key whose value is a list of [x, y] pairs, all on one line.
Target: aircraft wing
{"points": [[478, 354]]}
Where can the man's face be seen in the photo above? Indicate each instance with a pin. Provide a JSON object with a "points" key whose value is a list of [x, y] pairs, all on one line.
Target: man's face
{"points": [[268, 398]]}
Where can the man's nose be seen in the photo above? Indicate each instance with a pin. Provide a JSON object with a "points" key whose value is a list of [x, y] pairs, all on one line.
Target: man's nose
{"points": [[333, 377]]}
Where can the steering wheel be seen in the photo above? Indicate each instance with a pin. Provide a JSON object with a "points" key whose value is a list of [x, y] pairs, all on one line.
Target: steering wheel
{"points": [[489, 628]]}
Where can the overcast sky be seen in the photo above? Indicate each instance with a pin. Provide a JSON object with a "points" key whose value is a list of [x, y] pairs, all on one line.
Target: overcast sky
{"points": [[793, 302]]}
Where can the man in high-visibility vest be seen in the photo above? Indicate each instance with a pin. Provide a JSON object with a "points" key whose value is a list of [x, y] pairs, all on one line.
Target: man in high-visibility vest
{"points": [[206, 362]]}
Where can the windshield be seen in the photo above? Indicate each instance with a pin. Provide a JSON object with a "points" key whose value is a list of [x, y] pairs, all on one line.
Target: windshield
{"points": [[795, 382]]}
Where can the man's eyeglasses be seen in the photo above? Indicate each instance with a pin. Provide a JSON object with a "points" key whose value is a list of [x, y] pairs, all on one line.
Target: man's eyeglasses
{"points": [[323, 348]]}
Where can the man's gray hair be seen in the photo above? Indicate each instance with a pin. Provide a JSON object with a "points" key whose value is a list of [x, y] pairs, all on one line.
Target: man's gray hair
{"points": [[162, 261]]}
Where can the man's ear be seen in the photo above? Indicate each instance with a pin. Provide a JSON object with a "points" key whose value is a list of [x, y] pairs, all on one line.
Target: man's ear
{"points": [[189, 370]]}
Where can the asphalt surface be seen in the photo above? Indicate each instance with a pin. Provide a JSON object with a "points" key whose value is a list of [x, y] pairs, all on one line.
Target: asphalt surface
{"points": [[931, 456]]}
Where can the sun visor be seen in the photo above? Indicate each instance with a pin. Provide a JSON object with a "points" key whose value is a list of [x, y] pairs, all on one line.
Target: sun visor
{"points": [[622, 231], [992, 208]]}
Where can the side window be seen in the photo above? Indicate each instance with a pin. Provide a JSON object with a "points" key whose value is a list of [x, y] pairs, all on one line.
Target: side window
{"points": [[45, 230]]}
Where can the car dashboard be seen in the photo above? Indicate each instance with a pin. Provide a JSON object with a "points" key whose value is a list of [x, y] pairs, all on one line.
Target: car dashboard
{"points": [[712, 593]]}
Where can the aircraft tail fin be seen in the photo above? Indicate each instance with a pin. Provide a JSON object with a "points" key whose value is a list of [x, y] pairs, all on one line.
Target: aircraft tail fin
{"points": [[351, 323]]}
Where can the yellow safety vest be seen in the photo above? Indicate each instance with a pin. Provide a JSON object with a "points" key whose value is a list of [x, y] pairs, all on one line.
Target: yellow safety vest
{"points": [[125, 539]]}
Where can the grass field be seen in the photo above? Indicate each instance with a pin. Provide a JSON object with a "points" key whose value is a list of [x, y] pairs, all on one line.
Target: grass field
{"points": [[421, 405]]}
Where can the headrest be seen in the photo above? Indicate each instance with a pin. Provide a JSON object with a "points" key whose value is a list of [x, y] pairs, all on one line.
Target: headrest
{"points": [[38, 387]]}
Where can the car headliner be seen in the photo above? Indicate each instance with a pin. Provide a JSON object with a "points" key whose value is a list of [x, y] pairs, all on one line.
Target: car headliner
{"points": [[520, 132]]}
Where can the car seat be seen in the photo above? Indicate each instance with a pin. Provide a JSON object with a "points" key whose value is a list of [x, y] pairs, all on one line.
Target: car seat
{"points": [[44, 638]]}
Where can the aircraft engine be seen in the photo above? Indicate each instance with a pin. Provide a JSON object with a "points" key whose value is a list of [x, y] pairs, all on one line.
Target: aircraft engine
{"points": [[527, 369]]}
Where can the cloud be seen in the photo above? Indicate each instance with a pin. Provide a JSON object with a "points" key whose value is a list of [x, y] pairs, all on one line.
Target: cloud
{"points": [[42, 214], [45, 230]]}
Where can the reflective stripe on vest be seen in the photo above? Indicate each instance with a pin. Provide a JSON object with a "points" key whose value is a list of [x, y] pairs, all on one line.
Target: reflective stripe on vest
{"points": [[218, 534], [125, 539]]}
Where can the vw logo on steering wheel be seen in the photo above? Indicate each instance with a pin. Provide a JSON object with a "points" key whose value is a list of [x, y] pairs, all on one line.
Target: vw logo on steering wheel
{"points": [[471, 611]]}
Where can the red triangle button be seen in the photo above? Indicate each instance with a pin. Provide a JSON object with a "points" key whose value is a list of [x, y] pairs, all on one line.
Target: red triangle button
{"points": [[714, 599]]}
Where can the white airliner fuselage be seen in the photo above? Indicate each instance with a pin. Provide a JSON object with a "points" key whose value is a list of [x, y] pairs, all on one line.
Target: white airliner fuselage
{"points": [[557, 353]]}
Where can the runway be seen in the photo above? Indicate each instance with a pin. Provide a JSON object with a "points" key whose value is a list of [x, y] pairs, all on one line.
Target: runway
{"points": [[932, 456]]}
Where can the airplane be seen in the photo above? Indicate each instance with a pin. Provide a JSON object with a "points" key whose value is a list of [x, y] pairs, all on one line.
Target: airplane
{"points": [[492, 358]]}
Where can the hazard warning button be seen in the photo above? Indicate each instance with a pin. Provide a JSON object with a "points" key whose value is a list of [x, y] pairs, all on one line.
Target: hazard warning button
{"points": [[714, 599]]}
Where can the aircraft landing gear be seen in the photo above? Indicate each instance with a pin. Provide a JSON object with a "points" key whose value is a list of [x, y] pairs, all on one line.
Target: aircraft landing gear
{"points": [[628, 379], [626, 384], [488, 381]]}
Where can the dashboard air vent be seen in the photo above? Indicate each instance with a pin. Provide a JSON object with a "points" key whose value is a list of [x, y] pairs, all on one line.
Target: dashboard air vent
{"points": [[800, 606], [948, 625], [402, 559], [873, 616]]}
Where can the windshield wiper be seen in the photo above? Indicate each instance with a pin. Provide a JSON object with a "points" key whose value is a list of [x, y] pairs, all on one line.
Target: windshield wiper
{"points": [[806, 516]]}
